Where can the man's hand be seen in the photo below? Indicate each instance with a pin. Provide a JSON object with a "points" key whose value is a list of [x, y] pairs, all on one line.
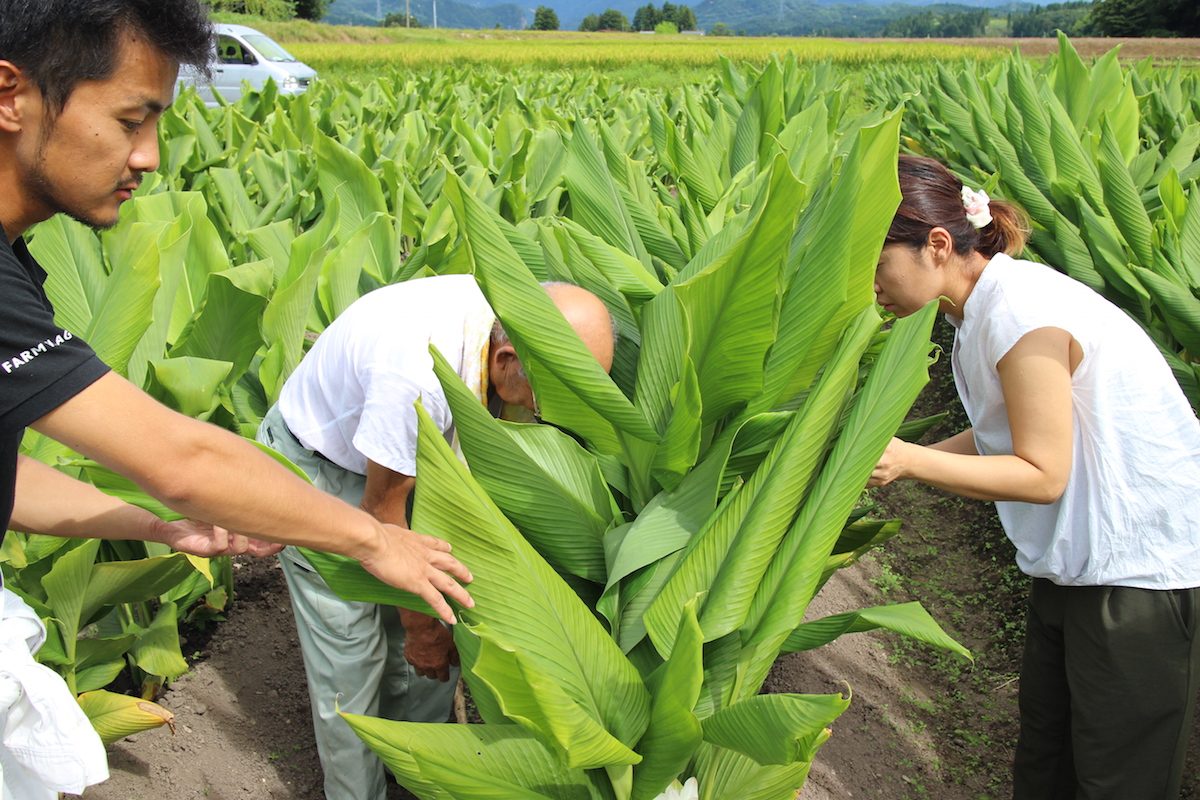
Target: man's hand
{"points": [[209, 541], [428, 645], [421, 565]]}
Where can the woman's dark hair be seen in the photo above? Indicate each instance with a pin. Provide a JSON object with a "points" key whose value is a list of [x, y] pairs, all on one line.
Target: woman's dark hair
{"points": [[931, 197], [59, 43]]}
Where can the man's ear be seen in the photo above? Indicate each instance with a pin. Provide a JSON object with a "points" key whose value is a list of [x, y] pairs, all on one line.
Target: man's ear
{"points": [[503, 357], [12, 84]]}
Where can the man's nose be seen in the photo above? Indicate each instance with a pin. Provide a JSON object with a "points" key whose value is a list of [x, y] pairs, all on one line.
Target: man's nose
{"points": [[144, 157]]}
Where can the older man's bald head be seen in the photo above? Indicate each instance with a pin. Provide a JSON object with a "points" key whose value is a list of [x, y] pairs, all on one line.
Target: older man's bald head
{"points": [[588, 317]]}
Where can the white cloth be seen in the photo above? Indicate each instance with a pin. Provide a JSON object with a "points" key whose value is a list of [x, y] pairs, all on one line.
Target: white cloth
{"points": [[1127, 517], [47, 744], [351, 398], [1135, 465]]}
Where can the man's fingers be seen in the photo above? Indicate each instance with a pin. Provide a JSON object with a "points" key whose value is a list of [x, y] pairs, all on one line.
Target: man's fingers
{"points": [[453, 589], [261, 549], [438, 603], [447, 563], [432, 542]]}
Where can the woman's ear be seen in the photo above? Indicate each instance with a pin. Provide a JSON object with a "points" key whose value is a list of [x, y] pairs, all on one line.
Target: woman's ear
{"points": [[941, 245]]}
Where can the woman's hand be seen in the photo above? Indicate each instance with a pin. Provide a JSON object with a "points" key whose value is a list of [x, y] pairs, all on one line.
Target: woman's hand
{"points": [[892, 465]]}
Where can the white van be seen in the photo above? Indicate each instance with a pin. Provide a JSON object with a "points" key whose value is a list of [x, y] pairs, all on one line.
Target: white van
{"points": [[246, 56]]}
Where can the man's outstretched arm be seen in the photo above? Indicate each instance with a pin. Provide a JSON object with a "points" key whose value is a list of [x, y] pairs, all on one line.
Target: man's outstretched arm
{"points": [[47, 501], [207, 473]]}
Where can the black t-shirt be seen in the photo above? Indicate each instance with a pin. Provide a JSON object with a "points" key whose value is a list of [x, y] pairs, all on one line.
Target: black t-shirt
{"points": [[41, 365]]}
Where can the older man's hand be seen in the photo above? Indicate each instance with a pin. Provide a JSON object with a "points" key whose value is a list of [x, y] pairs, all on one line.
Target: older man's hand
{"points": [[428, 645]]}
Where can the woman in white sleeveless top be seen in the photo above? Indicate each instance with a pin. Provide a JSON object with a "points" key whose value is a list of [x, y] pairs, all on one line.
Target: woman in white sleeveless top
{"points": [[1082, 437]]}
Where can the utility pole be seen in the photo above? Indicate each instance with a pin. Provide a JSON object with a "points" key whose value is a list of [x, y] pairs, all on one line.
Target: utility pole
{"points": [[435, 13], [407, 15]]}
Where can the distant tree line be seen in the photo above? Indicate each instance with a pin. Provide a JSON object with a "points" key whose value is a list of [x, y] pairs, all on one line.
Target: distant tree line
{"points": [[1146, 17], [927, 23], [274, 9], [649, 18], [1073, 19], [670, 18], [1099, 18]]}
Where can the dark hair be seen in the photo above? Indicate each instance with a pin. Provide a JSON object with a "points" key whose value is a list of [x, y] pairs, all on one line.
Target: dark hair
{"points": [[59, 43], [931, 197]]}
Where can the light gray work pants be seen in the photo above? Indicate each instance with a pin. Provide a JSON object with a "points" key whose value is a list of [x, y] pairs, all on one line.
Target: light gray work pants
{"points": [[353, 652]]}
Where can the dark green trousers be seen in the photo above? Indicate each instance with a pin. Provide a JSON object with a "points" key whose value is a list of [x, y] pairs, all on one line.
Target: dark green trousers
{"points": [[1108, 692]]}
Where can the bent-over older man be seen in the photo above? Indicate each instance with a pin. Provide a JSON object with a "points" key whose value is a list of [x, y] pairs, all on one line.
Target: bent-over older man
{"points": [[346, 417]]}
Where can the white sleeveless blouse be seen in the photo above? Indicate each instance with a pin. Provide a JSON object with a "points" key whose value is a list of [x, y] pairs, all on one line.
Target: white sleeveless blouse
{"points": [[1130, 515]]}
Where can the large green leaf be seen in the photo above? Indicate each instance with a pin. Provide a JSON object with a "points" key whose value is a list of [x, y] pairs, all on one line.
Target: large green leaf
{"points": [[524, 609], [544, 339], [549, 486], [729, 557], [792, 578], [342, 175], [837, 248], [907, 619], [778, 729], [731, 305], [723, 774], [674, 732], [473, 761]]}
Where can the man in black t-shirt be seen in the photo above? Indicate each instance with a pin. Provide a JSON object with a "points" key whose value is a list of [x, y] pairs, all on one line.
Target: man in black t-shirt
{"points": [[82, 86]]}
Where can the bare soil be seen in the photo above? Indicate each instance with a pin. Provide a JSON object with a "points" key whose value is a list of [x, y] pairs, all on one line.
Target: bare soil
{"points": [[921, 725]]}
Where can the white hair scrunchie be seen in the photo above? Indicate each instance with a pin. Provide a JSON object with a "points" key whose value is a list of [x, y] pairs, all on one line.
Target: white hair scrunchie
{"points": [[975, 203]]}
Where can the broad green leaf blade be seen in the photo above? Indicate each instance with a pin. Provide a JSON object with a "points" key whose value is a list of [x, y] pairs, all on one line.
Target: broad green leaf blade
{"points": [[1180, 308], [122, 312], [674, 732], [189, 385], [349, 581], [596, 201], [538, 330], [75, 273], [66, 587], [907, 619], [731, 306], [227, 325], [549, 486], [728, 558], [114, 582], [341, 174], [449, 761], [157, 649], [522, 604], [792, 578], [777, 729], [837, 247], [722, 774]]}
